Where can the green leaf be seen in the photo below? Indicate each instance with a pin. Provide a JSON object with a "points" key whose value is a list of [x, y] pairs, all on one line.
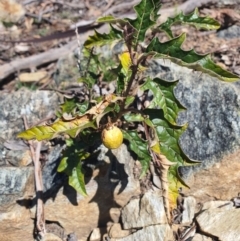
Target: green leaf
{"points": [[174, 184], [163, 97], [76, 180], [190, 59], [72, 166], [168, 136], [192, 19], [112, 20], [146, 17], [68, 105], [71, 127], [132, 117], [99, 39], [83, 107], [129, 100], [140, 148], [120, 83]]}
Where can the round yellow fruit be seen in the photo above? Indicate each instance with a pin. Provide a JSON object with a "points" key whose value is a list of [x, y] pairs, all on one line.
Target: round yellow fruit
{"points": [[112, 137]]}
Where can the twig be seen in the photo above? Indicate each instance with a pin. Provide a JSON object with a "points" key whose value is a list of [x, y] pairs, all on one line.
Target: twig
{"points": [[40, 222]]}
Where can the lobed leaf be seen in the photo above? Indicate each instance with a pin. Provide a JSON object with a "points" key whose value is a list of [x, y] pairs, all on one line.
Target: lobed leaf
{"points": [[168, 136], [163, 97], [146, 12], [111, 20], [192, 19], [46, 132], [99, 39], [190, 59]]}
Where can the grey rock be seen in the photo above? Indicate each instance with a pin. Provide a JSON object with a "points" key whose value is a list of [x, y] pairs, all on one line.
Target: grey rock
{"points": [[212, 115], [52, 179], [33, 105], [189, 205], [14, 184], [157, 232], [18, 157], [16, 190], [220, 223], [229, 33], [144, 211], [72, 237]]}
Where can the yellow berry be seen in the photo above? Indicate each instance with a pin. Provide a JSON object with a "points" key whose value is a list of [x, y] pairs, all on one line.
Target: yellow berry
{"points": [[112, 137]]}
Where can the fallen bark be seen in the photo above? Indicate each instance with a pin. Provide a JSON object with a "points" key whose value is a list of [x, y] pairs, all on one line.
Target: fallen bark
{"points": [[36, 60], [46, 57]]}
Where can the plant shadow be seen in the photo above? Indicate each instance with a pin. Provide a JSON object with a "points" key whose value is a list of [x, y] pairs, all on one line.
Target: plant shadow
{"points": [[107, 175]]}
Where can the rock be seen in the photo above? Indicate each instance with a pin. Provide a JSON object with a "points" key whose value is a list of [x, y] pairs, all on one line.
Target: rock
{"points": [[189, 205], [72, 237], [229, 33], [109, 188], [157, 232], [224, 205], [116, 231], [51, 237], [221, 223], [19, 157], [199, 237], [33, 105], [144, 211], [15, 183], [52, 180], [95, 235], [213, 133], [16, 223], [218, 182]]}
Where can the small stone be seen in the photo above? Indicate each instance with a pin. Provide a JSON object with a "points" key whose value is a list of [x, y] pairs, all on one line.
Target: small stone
{"points": [[72, 237], [144, 211], [95, 235], [189, 205], [157, 232], [221, 223]]}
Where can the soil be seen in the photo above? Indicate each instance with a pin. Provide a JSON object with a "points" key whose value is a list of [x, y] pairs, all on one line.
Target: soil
{"points": [[55, 18]]}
